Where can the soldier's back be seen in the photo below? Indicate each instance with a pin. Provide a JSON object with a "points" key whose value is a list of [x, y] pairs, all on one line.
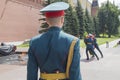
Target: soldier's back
{"points": [[52, 47]]}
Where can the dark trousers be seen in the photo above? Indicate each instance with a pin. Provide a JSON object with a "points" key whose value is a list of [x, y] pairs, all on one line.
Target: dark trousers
{"points": [[92, 52], [99, 50]]}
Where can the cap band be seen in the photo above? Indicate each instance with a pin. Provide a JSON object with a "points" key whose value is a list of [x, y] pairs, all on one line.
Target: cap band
{"points": [[54, 14]]}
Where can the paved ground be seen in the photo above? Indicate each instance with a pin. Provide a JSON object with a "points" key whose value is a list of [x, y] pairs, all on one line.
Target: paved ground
{"points": [[106, 68], [13, 67], [12, 72]]}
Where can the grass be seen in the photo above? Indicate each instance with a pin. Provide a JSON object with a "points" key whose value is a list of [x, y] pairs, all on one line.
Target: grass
{"points": [[99, 41], [24, 45]]}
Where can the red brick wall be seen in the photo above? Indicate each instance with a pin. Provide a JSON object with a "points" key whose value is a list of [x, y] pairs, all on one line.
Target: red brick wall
{"points": [[18, 20]]}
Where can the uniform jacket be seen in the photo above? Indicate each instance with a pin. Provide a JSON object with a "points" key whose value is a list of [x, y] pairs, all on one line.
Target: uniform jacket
{"points": [[95, 42], [48, 52], [89, 40]]}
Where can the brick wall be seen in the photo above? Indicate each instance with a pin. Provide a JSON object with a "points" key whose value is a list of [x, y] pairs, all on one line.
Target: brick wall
{"points": [[18, 19]]}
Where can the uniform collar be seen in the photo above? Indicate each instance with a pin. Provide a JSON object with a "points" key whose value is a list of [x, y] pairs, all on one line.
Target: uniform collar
{"points": [[54, 28]]}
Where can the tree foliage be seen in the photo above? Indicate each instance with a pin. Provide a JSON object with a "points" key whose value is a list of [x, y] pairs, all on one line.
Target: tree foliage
{"points": [[88, 22], [71, 23], [80, 16], [108, 19], [96, 26]]}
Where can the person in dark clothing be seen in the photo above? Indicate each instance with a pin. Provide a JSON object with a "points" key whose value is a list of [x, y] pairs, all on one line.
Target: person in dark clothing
{"points": [[89, 47], [96, 45]]}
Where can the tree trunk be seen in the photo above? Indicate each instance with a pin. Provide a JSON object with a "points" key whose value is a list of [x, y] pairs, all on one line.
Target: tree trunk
{"points": [[109, 35]]}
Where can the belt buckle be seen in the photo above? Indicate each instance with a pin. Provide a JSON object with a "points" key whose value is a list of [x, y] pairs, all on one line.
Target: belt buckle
{"points": [[57, 73]]}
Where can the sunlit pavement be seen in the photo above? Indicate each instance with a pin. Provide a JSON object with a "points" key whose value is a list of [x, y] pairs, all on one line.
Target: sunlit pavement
{"points": [[12, 72]]}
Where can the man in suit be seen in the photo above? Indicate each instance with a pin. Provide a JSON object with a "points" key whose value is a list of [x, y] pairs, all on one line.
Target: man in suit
{"points": [[49, 50]]}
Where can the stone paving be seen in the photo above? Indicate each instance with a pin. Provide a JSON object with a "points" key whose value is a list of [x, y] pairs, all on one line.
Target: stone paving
{"points": [[13, 67], [12, 72]]}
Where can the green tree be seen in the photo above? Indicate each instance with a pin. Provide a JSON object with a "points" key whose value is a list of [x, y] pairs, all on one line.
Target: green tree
{"points": [[71, 24], [114, 23], [80, 16], [96, 26], [102, 20], [110, 14], [88, 22]]}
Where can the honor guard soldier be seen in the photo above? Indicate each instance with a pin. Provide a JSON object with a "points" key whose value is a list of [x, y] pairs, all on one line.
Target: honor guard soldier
{"points": [[55, 53]]}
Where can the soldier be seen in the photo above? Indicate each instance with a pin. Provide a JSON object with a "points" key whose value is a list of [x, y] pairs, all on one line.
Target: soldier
{"points": [[96, 45], [50, 50], [89, 47]]}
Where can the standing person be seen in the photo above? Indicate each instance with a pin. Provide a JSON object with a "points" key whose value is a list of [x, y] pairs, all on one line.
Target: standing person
{"points": [[96, 45], [107, 44], [49, 51]]}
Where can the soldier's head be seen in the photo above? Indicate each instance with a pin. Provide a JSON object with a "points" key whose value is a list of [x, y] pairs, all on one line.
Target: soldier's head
{"points": [[54, 13]]}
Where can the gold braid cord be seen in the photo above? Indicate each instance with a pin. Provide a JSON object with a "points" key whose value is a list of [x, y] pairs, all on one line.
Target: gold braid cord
{"points": [[70, 57]]}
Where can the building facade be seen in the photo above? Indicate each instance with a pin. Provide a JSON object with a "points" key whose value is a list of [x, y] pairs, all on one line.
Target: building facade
{"points": [[92, 7], [85, 4], [19, 19]]}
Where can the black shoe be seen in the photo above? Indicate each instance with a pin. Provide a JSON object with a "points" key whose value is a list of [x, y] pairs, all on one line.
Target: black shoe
{"points": [[87, 59], [97, 58], [101, 56]]}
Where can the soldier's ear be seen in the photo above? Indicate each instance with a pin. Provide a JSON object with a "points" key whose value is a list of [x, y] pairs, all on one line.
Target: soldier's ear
{"points": [[62, 19], [47, 20]]}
